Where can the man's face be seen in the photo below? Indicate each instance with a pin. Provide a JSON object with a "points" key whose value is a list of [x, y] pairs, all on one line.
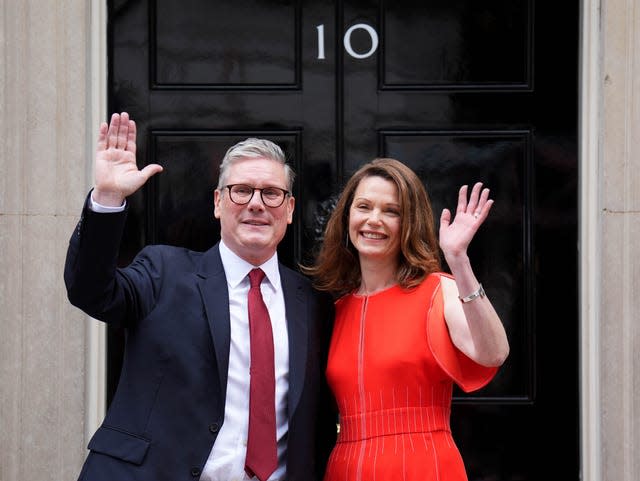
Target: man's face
{"points": [[253, 230]]}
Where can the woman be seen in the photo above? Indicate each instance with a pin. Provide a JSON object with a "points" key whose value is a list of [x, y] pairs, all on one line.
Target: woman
{"points": [[404, 331]]}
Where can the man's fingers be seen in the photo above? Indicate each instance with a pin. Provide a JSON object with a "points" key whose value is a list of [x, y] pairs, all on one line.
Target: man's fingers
{"points": [[112, 132], [120, 133], [131, 137], [102, 136], [123, 131]]}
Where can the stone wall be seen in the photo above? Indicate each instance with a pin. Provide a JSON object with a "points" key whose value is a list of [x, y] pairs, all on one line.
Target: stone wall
{"points": [[619, 194], [43, 176]]}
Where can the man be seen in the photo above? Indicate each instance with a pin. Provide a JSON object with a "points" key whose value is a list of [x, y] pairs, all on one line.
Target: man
{"points": [[186, 404]]}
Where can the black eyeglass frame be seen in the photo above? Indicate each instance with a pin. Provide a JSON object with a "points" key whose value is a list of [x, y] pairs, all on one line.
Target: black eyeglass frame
{"points": [[285, 192]]}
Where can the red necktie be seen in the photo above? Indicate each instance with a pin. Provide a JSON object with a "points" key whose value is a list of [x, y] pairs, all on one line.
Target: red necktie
{"points": [[262, 454]]}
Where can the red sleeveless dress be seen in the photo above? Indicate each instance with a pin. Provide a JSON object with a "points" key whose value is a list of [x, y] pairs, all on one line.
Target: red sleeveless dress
{"points": [[391, 367]]}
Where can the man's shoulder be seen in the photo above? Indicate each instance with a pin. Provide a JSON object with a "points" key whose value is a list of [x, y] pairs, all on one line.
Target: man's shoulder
{"points": [[291, 275], [172, 255], [170, 251]]}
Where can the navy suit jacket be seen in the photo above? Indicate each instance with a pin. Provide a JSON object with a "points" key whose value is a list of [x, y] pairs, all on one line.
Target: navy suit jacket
{"points": [[169, 404]]}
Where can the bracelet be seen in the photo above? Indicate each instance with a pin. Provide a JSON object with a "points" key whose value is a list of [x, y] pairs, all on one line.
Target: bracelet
{"points": [[474, 295]]}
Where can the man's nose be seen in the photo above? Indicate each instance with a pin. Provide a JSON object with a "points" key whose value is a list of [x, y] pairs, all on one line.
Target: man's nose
{"points": [[256, 200]]}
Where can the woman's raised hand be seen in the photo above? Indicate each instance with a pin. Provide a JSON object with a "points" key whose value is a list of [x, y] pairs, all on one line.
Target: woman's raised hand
{"points": [[456, 234]]}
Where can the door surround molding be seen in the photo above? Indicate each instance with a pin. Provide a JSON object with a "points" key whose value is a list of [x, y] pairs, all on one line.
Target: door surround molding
{"points": [[95, 381], [589, 222]]}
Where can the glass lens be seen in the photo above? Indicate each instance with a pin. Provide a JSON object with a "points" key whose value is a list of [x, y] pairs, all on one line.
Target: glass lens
{"points": [[272, 196], [242, 194]]}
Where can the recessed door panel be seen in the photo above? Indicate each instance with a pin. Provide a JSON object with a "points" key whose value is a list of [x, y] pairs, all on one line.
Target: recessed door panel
{"points": [[219, 44]]}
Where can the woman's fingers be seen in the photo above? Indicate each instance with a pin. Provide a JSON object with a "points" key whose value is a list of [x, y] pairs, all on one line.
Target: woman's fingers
{"points": [[462, 200], [473, 205], [445, 218]]}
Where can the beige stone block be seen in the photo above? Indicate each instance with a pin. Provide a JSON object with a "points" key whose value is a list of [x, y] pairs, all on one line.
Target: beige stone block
{"points": [[74, 155], [72, 183], [43, 181], [43, 146], [73, 324], [621, 182], [55, 155], [10, 185], [42, 338], [44, 132], [11, 345], [614, 52], [633, 322], [621, 107], [72, 166], [619, 334], [12, 109], [634, 446], [52, 369]]}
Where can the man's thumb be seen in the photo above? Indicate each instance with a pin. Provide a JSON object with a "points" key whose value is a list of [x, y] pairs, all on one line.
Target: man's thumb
{"points": [[151, 170]]}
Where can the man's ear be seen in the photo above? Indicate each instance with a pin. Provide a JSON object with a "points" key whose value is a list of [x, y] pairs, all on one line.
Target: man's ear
{"points": [[291, 205], [216, 204]]}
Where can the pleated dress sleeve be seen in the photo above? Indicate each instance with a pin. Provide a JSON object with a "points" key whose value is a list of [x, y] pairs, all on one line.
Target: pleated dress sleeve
{"points": [[465, 372]]}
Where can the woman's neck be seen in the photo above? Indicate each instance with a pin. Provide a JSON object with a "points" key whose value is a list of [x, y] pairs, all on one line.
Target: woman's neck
{"points": [[376, 276]]}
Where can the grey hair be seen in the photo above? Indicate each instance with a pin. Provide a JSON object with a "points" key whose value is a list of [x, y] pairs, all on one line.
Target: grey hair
{"points": [[254, 148]]}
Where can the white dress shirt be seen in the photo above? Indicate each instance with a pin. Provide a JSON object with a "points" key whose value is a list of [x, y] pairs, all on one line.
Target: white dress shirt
{"points": [[226, 460]]}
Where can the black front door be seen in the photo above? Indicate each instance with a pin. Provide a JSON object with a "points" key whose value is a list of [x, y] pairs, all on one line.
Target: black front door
{"points": [[459, 90]]}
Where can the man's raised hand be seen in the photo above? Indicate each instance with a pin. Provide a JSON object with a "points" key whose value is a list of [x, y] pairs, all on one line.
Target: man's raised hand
{"points": [[116, 173]]}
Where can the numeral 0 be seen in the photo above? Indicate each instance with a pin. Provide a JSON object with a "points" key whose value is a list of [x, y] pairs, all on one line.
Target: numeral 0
{"points": [[346, 41]]}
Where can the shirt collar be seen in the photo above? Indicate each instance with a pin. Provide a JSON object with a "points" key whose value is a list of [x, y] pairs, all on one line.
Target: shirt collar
{"points": [[236, 268]]}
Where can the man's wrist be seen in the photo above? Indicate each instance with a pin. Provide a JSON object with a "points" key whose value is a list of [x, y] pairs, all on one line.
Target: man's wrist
{"points": [[105, 208], [107, 199]]}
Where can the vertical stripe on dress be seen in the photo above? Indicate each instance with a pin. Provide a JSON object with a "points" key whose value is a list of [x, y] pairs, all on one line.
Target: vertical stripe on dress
{"points": [[363, 315]]}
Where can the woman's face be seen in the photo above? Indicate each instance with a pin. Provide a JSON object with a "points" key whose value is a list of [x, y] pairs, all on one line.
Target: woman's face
{"points": [[374, 219]]}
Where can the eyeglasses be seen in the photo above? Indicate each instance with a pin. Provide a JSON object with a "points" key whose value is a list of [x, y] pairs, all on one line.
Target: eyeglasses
{"points": [[271, 196]]}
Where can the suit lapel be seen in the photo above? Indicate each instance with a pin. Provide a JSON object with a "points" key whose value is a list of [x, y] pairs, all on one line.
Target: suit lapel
{"points": [[212, 284], [296, 312]]}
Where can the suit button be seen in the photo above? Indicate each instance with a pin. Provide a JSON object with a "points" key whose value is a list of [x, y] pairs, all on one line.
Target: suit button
{"points": [[214, 427], [195, 472]]}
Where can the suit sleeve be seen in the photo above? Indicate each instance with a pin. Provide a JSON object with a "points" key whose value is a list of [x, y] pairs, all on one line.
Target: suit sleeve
{"points": [[93, 281]]}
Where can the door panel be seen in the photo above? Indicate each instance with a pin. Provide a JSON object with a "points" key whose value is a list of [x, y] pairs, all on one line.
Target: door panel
{"points": [[217, 45], [502, 160], [456, 45], [458, 90]]}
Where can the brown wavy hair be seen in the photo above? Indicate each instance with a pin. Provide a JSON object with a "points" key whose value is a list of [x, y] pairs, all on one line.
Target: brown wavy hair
{"points": [[337, 266]]}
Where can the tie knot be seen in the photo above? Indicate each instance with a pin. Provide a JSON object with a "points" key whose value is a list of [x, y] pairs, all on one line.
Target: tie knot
{"points": [[255, 277]]}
